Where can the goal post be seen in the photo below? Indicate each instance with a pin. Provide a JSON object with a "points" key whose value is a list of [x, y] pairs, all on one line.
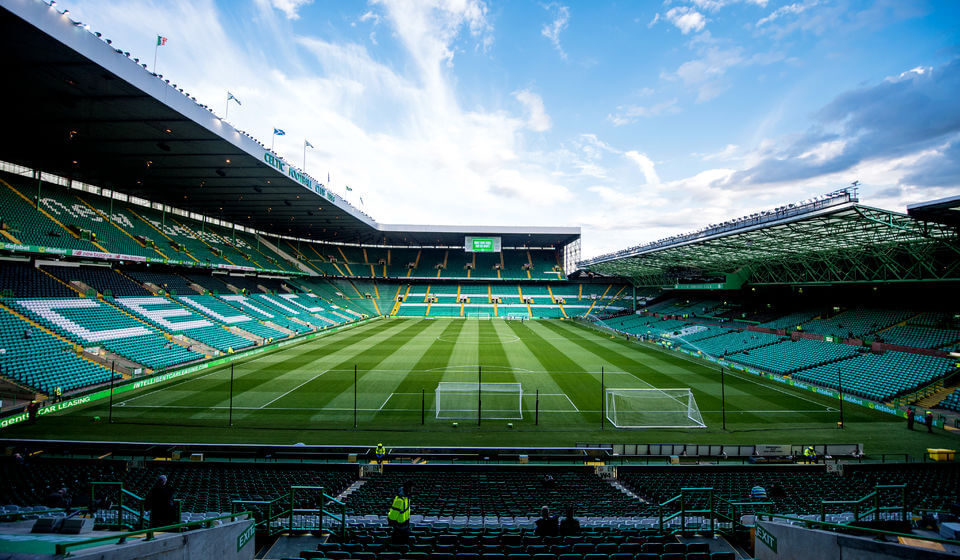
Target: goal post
{"points": [[459, 401], [478, 315], [652, 408]]}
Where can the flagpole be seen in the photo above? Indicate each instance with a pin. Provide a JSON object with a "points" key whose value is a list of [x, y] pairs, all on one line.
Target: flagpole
{"points": [[155, 49], [227, 112], [273, 139], [304, 166]]}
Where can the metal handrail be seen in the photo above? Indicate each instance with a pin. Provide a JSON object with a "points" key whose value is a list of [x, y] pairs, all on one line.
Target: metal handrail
{"points": [[62, 548], [712, 510], [873, 497], [321, 511], [121, 508], [16, 515], [813, 524]]}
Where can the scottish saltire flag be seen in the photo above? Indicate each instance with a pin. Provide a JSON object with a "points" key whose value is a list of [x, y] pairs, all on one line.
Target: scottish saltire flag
{"points": [[161, 40], [307, 144], [278, 132], [233, 97], [349, 189]]}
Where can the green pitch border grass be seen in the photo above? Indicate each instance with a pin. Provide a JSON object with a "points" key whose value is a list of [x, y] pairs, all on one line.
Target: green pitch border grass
{"points": [[567, 353]]}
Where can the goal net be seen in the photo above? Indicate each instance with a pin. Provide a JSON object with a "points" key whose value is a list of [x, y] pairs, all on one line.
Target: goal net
{"points": [[478, 315], [653, 408], [497, 401]]}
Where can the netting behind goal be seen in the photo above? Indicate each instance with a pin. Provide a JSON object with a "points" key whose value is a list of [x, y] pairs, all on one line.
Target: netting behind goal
{"points": [[481, 316], [653, 408], [498, 401]]}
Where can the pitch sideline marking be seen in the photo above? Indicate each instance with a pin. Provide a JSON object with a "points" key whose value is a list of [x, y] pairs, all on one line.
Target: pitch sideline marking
{"points": [[295, 388], [218, 370], [339, 409]]}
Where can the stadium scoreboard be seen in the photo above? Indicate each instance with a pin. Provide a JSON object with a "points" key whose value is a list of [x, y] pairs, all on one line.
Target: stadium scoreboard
{"points": [[482, 244]]}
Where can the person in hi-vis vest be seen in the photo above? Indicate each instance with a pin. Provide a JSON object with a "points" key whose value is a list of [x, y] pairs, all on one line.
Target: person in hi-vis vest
{"points": [[399, 515]]}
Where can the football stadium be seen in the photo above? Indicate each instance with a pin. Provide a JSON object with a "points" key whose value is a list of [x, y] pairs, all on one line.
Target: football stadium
{"points": [[180, 301]]}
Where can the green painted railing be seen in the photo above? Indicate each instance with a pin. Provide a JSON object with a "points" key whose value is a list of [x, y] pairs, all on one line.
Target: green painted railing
{"points": [[149, 534], [719, 510], [870, 505], [123, 498], [284, 508]]}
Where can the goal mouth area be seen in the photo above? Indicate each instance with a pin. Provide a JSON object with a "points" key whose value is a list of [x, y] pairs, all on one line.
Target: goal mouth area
{"points": [[655, 408], [491, 401]]}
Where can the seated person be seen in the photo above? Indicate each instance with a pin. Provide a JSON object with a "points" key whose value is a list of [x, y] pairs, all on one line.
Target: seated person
{"points": [[547, 525]]}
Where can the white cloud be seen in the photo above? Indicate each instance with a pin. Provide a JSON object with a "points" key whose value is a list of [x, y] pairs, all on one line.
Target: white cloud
{"points": [[790, 9], [656, 18], [538, 119], [646, 166], [627, 114], [686, 19], [553, 29], [370, 16], [714, 5], [706, 73], [727, 153], [290, 7]]}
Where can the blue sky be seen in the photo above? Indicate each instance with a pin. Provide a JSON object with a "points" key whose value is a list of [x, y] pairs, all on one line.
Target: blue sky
{"points": [[633, 120]]}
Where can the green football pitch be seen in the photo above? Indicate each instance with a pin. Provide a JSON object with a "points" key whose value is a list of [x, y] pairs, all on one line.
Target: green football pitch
{"points": [[307, 393]]}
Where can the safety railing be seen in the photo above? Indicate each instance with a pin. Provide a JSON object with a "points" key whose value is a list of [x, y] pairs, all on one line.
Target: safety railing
{"points": [[110, 495], [871, 505], [284, 513], [62, 549], [26, 514], [319, 512], [722, 515]]}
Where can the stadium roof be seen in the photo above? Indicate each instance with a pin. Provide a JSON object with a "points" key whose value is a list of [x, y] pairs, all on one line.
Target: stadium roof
{"points": [[944, 211], [828, 240], [78, 107]]}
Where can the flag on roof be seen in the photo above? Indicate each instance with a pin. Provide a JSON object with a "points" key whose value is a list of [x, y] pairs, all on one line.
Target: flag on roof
{"points": [[233, 97], [307, 144], [349, 189], [278, 132], [161, 40]]}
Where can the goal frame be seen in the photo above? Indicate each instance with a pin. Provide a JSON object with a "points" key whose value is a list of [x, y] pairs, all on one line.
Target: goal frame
{"points": [[478, 315], [692, 412], [470, 388]]}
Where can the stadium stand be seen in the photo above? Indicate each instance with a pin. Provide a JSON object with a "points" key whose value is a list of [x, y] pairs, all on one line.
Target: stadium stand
{"points": [[951, 402], [919, 336], [38, 358], [504, 492], [103, 279], [32, 226], [20, 279], [159, 311], [880, 376], [220, 311], [262, 312], [856, 323], [89, 322]]}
